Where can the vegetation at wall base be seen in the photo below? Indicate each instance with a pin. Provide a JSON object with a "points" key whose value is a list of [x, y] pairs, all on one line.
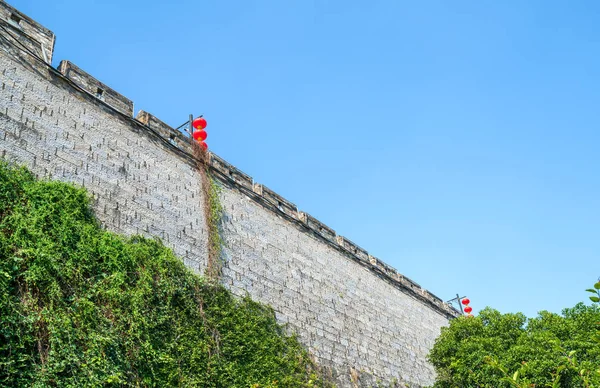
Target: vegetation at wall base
{"points": [[508, 350], [80, 306]]}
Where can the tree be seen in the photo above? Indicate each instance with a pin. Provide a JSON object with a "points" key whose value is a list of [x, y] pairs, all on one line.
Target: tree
{"points": [[509, 350]]}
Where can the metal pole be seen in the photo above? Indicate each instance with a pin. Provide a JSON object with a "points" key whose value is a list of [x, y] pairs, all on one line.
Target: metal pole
{"points": [[459, 304], [457, 299], [191, 125]]}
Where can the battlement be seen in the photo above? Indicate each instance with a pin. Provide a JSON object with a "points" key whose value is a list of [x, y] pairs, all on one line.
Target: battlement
{"points": [[96, 88], [168, 133], [32, 35], [142, 174]]}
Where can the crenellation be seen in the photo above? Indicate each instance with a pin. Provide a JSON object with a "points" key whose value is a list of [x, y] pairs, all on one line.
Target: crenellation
{"points": [[35, 37], [318, 227], [231, 173], [168, 133], [409, 283], [432, 296], [361, 254], [384, 268], [219, 165], [241, 179], [96, 88], [280, 203]]}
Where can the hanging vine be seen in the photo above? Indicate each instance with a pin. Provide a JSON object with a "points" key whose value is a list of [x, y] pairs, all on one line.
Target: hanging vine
{"points": [[213, 211]]}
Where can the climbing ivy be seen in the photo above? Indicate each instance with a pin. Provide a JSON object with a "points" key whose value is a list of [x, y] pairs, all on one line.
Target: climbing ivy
{"points": [[80, 306], [214, 214]]}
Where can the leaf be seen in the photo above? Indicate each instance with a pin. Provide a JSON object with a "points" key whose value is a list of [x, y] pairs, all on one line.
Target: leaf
{"points": [[516, 376], [597, 286], [108, 310], [592, 290], [595, 299]]}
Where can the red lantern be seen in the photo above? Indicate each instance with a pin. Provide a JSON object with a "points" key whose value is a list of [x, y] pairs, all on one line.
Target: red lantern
{"points": [[199, 123], [203, 145], [468, 309], [466, 301], [200, 135]]}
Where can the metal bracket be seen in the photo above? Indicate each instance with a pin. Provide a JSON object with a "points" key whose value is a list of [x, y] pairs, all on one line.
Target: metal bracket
{"points": [[44, 54]]}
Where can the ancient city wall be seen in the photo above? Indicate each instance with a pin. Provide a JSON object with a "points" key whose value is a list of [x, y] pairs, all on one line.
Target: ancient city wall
{"points": [[360, 318]]}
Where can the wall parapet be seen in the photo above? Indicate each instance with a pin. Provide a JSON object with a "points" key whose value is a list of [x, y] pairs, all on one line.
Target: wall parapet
{"points": [[31, 34], [168, 133], [96, 88], [285, 206], [230, 175]]}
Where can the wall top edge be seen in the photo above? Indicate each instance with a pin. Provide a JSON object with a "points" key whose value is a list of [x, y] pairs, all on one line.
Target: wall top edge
{"points": [[29, 20]]}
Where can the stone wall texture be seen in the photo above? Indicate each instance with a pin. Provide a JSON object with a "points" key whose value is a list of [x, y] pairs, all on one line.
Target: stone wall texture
{"points": [[365, 323]]}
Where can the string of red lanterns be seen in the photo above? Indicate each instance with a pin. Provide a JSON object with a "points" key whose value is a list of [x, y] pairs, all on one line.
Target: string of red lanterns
{"points": [[200, 134], [467, 308]]}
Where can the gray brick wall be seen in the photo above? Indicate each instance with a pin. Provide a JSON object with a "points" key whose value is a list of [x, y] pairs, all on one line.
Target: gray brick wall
{"points": [[346, 316], [358, 316], [139, 183]]}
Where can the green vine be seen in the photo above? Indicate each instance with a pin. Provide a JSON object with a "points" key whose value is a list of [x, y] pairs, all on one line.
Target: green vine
{"points": [[214, 215], [83, 307], [213, 212]]}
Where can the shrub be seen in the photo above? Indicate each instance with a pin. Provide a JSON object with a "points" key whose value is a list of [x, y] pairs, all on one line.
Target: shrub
{"points": [[508, 350], [80, 306]]}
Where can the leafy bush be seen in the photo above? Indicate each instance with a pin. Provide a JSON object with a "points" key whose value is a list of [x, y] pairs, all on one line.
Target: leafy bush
{"points": [[80, 306], [508, 350]]}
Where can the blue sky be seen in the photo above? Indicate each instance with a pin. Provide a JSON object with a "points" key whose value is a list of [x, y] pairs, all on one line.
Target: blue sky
{"points": [[456, 141]]}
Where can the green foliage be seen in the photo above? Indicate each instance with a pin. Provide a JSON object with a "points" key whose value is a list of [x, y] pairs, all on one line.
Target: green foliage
{"points": [[596, 299], [215, 213], [507, 350], [596, 291], [82, 307]]}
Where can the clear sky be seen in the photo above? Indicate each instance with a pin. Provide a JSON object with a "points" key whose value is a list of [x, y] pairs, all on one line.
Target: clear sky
{"points": [[456, 141]]}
